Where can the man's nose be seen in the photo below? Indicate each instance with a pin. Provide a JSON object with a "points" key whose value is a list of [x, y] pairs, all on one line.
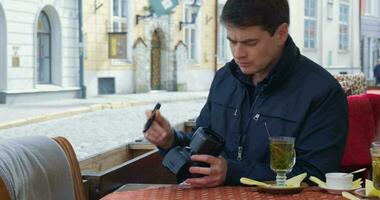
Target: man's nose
{"points": [[239, 51]]}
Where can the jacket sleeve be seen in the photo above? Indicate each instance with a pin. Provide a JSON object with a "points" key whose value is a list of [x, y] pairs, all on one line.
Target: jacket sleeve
{"points": [[319, 144], [203, 120], [182, 138]]}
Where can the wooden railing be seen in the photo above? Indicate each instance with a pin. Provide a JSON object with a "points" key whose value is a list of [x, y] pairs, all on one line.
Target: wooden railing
{"points": [[136, 162], [106, 160], [145, 168]]}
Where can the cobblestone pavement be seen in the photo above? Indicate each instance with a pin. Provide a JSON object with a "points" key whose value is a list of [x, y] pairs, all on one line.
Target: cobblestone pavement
{"points": [[95, 131]]}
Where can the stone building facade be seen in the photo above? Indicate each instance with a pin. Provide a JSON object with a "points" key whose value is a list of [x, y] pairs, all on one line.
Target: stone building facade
{"points": [[39, 56], [128, 50]]}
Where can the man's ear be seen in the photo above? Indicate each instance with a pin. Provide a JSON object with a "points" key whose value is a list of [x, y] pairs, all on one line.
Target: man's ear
{"points": [[282, 33]]}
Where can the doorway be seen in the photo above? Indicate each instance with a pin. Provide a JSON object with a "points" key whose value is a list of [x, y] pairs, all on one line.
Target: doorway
{"points": [[155, 65]]}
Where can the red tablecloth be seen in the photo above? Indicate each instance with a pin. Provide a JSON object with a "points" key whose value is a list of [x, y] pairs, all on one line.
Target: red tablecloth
{"points": [[218, 193]]}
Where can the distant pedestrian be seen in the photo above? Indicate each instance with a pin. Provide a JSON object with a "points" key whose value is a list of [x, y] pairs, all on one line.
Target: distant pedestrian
{"points": [[376, 72]]}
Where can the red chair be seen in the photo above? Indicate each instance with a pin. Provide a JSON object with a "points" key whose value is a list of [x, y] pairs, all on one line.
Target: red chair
{"points": [[364, 123], [375, 102]]}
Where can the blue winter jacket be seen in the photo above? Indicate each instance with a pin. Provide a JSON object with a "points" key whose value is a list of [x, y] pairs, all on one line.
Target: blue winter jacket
{"points": [[298, 98]]}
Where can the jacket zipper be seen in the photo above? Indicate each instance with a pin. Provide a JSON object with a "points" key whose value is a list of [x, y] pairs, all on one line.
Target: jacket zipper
{"points": [[256, 117], [242, 136]]}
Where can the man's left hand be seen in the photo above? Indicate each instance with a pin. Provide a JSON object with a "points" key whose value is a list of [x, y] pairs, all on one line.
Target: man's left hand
{"points": [[214, 175]]}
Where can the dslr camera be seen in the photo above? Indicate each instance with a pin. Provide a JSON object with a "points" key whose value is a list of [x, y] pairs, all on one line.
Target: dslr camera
{"points": [[178, 159]]}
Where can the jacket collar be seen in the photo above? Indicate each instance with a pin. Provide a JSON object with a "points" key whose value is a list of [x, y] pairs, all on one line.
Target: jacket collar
{"points": [[279, 72]]}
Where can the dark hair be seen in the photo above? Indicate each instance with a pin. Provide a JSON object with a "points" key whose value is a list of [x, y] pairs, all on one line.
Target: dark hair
{"points": [[269, 14]]}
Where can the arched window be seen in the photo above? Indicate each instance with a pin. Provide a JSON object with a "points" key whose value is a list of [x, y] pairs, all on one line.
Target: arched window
{"points": [[43, 50], [3, 54]]}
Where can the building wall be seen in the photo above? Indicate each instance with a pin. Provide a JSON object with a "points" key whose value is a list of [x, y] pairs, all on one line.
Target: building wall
{"points": [[96, 26], [326, 52], [201, 76], [370, 39], [370, 36], [224, 53], [21, 45], [123, 80], [98, 64]]}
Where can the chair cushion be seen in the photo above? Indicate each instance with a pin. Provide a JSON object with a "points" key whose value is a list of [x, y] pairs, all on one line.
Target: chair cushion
{"points": [[35, 168], [361, 132]]}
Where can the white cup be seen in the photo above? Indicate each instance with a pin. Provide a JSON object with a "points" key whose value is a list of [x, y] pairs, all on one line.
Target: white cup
{"points": [[339, 181]]}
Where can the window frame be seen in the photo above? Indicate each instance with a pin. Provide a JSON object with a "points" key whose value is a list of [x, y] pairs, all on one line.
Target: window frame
{"points": [[343, 41], [370, 8], [189, 31], [49, 34], [119, 31], [3, 42], [310, 19]]}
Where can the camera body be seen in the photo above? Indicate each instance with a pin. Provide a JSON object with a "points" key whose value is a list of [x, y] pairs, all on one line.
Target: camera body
{"points": [[178, 159]]}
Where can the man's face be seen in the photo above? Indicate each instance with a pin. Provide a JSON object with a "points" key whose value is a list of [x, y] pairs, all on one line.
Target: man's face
{"points": [[255, 50]]}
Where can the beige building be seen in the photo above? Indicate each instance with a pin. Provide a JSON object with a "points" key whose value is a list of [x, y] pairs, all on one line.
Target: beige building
{"points": [[129, 50]]}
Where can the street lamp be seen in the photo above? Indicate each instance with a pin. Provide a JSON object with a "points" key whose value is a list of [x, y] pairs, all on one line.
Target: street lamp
{"points": [[140, 17], [158, 8], [194, 8]]}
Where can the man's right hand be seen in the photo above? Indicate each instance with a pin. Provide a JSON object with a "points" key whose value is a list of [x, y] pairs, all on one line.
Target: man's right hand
{"points": [[160, 132]]}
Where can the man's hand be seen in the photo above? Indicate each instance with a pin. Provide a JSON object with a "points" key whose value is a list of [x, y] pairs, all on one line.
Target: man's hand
{"points": [[160, 132], [215, 174]]}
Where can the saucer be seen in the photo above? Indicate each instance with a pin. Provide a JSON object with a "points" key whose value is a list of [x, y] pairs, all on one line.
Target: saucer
{"points": [[273, 189], [361, 193], [339, 191]]}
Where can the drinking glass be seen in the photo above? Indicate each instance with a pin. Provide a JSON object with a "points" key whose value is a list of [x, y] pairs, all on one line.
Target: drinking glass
{"points": [[282, 157], [375, 156]]}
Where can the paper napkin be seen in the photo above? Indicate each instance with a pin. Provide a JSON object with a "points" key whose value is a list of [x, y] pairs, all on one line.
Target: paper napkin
{"points": [[296, 180], [317, 181], [350, 196], [292, 182], [320, 183], [370, 190]]}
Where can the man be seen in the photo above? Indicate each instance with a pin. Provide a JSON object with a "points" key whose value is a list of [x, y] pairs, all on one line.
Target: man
{"points": [[268, 81], [376, 72]]}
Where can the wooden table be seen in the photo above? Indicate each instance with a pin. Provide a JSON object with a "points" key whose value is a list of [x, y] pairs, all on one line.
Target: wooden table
{"points": [[171, 192]]}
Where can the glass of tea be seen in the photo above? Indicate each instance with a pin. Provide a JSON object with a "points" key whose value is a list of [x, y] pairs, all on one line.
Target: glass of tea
{"points": [[282, 157], [375, 156]]}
